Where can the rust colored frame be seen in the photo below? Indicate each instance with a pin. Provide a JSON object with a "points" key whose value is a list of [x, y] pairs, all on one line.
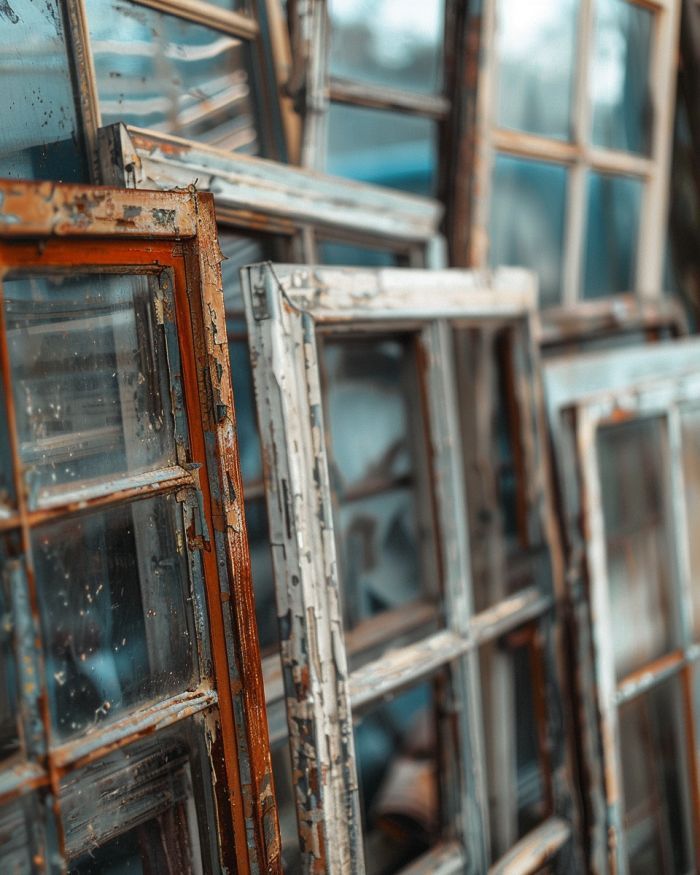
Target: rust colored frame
{"points": [[62, 227]]}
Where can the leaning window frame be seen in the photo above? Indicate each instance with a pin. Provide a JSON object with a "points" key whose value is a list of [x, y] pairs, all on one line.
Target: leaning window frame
{"points": [[577, 155], [285, 305], [171, 235], [601, 390]]}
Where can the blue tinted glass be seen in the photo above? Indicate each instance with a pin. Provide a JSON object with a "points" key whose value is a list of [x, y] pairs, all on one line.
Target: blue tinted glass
{"points": [[620, 86], [384, 148], [536, 47], [161, 72], [388, 42], [38, 137], [246, 422], [528, 211], [350, 255], [614, 204]]}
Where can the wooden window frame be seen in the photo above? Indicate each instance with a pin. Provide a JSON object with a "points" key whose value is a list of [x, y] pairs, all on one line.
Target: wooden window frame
{"points": [[285, 306], [622, 386], [578, 155], [172, 235]]}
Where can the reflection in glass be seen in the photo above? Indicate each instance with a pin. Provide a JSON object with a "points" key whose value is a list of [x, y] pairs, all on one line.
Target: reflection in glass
{"points": [[395, 747], [526, 228], [11, 586], [39, 135], [165, 73], [536, 47], [639, 561], [690, 429], [515, 775], [388, 42], [116, 612], [351, 255], [620, 85], [370, 403], [655, 781], [89, 377], [136, 809], [16, 852], [384, 148], [612, 225]]}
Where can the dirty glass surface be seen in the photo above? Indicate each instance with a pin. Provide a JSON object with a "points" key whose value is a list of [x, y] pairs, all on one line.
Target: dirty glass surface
{"points": [[90, 379], [384, 148], [536, 51], [526, 226], [614, 206], [116, 611], [388, 42], [690, 430], [515, 768], [17, 821], [137, 810], [10, 584], [351, 255], [167, 74], [637, 540], [655, 775], [397, 762], [39, 135], [619, 76], [371, 401]]}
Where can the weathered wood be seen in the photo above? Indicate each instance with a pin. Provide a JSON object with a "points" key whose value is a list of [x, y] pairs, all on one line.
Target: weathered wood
{"points": [[431, 106], [534, 850]]}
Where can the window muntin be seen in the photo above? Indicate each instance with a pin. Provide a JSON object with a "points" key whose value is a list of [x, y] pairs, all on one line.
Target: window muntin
{"points": [[41, 134]]}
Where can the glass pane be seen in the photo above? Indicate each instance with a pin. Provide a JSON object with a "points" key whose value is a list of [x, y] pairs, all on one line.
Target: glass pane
{"points": [[388, 42], [690, 425], [620, 86], [515, 752], [238, 251], [384, 148], [89, 378], [261, 567], [164, 73], [7, 488], [528, 206], [639, 559], [12, 585], [536, 46], [655, 781], [140, 809], [372, 406], [351, 255], [246, 416], [116, 610], [284, 791], [16, 850], [612, 225], [39, 136], [395, 747]]}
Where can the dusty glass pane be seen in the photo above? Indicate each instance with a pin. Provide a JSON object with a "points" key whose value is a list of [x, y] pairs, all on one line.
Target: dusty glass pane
{"points": [[637, 535], [142, 809], [89, 378], [39, 135], [388, 42], [165, 73], [653, 750], [384, 148], [116, 611], [7, 489], [395, 747], [536, 49], [690, 425], [352, 255], [612, 225], [16, 851], [526, 227], [371, 409], [620, 83], [10, 578], [261, 569], [516, 781]]}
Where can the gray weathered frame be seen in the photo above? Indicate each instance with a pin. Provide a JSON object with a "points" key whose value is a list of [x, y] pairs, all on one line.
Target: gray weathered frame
{"points": [[285, 305]]}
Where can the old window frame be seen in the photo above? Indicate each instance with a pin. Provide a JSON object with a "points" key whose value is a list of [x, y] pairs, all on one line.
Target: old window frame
{"points": [[171, 235], [285, 306], [622, 386], [578, 155]]}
